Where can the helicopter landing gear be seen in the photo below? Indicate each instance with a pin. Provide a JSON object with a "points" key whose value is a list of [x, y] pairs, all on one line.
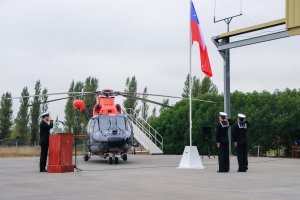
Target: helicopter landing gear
{"points": [[86, 157], [113, 159], [124, 157]]}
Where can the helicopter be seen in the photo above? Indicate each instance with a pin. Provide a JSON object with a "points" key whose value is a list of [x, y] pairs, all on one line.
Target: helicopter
{"points": [[109, 131]]}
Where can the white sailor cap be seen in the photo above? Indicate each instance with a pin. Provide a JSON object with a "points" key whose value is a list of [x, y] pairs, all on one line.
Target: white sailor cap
{"points": [[45, 114], [223, 114], [241, 115]]}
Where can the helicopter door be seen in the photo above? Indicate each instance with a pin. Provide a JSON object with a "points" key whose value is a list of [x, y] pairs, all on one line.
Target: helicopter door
{"points": [[130, 130]]}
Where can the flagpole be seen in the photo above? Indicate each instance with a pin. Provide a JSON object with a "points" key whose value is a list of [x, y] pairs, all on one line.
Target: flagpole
{"points": [[190, 63], [190, 158]]}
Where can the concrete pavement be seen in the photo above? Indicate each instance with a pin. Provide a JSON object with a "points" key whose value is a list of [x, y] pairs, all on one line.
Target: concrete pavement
{"points": [[150, 177]]}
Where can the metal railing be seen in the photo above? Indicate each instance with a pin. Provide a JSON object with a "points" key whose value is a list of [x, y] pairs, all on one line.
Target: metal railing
{"points": [[145, 127]]}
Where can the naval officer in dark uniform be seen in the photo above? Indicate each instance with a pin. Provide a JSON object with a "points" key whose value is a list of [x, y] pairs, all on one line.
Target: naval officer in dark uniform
{"points": [[45, 126], [222, 142], [239, 135]]}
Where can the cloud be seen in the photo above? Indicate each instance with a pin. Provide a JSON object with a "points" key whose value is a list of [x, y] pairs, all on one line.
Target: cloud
{"points": [[58, 41]]}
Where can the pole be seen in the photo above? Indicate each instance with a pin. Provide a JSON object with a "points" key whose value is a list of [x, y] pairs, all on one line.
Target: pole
{"points": [[190, 81], [16, 147], [226, 58], [190, 158], [227, 82], [76, 130]]}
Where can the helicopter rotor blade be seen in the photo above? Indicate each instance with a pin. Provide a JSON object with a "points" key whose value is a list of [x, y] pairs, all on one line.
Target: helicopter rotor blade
{"points": [[147, 100], [53, 100], [174, 97], [51, 94], [63, 98]]}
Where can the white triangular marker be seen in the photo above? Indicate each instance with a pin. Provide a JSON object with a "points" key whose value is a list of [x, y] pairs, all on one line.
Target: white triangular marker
{"points": [[191, 159]]}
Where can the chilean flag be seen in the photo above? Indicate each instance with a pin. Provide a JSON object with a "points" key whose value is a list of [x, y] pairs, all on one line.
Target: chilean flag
{"points": [[198, 37]]}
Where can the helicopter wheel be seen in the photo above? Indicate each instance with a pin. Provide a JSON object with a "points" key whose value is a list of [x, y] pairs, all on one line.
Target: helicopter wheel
{"points": [[86, 157], [110, 160], [124, 157], [116, 160]]}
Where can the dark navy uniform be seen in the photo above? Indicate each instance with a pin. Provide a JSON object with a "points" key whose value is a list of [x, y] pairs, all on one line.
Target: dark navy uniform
{"points": [[222, 138], [239, 135], [44, 142]]}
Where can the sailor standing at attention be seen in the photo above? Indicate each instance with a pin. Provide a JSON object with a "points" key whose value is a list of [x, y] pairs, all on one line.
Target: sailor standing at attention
{"points": [[45, 126], [239, 135], [223, 142]]}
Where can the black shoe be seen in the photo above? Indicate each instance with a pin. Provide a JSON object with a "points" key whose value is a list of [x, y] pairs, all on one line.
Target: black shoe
{"points": [[241, 171], [221, 171], [43, 170]]}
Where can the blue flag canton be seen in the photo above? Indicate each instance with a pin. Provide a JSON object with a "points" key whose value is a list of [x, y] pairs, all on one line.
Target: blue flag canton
{"points": [[194, 14]]}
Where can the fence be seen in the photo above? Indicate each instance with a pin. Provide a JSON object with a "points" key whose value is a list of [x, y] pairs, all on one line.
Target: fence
{"points": [[17, 148]]}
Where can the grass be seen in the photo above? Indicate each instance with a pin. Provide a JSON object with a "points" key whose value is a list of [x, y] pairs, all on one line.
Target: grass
{"points": [[34, 151], [25, 151], [22, 151]]}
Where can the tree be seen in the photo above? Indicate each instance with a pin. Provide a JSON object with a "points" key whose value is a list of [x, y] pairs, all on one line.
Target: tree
{"points": [[73, 119], [199, 87], [164, 102], [78, 117], [153, 112], [131, 89], [90, 85], [186, 88], [6, 115], [196, 86], [145, 107], [173, 124], [207, 86], [44, 98], [35, 113], [69, 110], [22, 119], [273, 118], [195, 89]]}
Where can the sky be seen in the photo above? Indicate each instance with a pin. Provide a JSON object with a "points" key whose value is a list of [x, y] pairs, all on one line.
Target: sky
{"points": [[57, 41]]}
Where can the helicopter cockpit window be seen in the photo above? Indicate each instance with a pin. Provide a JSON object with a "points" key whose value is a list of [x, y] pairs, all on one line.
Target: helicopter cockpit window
{"points": [[91, 126], [104, 122], [119, 122], [96, 126]]}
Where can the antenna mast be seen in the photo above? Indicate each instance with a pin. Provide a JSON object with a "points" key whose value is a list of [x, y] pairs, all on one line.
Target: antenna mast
{"points": [[226, 57]]}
